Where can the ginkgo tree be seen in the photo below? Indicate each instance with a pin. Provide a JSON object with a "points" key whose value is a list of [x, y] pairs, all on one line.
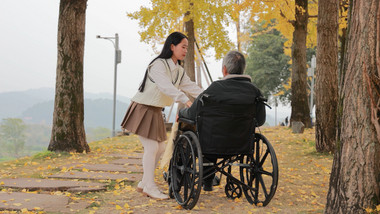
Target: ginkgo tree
{"points": [[207, 21], [296, 21]]}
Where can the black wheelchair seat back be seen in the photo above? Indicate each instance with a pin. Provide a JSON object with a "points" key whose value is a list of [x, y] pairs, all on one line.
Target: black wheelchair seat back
{"points": [[226, 129]]}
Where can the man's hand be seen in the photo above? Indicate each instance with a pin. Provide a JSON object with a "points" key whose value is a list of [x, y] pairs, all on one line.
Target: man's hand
{"points": [[176, 118], [188, 103]]}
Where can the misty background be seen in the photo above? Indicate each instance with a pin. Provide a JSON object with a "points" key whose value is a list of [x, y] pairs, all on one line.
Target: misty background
{"points": [[28, 58]]}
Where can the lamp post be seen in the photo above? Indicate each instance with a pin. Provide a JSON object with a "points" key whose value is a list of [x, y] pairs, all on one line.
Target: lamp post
{"points": [[310, 73], [117, 60]]}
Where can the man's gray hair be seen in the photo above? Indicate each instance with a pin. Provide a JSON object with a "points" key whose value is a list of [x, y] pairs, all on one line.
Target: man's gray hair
{"points": [[234, 62]]}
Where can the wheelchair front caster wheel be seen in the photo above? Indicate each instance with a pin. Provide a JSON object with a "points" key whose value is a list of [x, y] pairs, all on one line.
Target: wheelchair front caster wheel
{"points": [[232, 190]]}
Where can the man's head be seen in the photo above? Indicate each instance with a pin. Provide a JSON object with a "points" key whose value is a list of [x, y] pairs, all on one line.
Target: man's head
{"points": [[233, 63]]}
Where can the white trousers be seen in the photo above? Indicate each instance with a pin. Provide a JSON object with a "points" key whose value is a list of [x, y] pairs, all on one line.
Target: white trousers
{"points": [[152, 154]]}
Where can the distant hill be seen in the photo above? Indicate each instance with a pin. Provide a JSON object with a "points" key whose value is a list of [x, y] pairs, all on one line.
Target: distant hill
{"points": [[97, 113], [36, 106], [14, 104]]}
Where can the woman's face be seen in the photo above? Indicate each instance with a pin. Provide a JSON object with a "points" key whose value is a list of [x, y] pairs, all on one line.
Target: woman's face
{"points": [[179, 50]]}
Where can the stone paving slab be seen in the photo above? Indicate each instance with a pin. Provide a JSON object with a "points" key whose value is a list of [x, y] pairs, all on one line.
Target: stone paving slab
{"points": [[109, 167], [137, 155], [34, 184], [98, 176], [127, 162], [48, 203]]}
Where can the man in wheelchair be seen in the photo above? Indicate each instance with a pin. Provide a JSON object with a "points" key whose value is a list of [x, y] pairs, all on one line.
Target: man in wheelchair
{"points": [[220, 132], [217, 133]]}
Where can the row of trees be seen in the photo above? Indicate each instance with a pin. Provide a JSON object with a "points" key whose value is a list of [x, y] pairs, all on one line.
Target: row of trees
{"points": [[355, 176], [347, 113]]}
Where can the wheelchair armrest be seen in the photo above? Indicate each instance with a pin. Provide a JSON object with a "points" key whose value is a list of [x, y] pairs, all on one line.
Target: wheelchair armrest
{"points": [[185, 120]]}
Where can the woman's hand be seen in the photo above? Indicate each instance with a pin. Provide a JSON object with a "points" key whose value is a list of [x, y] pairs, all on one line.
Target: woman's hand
{"points": [[188, 103]]}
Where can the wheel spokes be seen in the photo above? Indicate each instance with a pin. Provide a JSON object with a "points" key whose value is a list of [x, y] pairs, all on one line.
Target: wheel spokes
{"points": [[266, 173], [261, 175], [186, 187], [186, 169], [264, 158], [263, 185]]}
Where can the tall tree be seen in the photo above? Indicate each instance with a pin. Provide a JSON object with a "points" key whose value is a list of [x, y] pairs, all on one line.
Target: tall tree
{"points": [[299, 100], [355, 176], [68, 132], [343, 12], [236, 15], [205, 20], [293, 22], [326, 85], [189, 59]]}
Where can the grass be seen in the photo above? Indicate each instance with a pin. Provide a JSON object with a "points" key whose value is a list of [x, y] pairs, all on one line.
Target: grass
{"points": [[5, 159], [48, 154]]}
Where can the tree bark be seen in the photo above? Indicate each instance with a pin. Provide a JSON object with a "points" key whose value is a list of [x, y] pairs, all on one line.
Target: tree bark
{"points": [[238, 37], [355, 176], [326, 85], [299, 100], [189, 59], [68, 132], [343, 7]]}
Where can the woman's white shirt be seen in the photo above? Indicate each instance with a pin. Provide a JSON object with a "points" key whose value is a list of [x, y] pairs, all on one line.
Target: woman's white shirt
{"points": [[165, 84]]}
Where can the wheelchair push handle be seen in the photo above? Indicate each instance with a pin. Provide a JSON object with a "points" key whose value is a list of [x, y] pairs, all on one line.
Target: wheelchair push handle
{"points": [[263, 100]]}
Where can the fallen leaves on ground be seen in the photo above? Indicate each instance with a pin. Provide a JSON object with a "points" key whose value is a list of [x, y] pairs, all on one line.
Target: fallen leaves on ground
{"points": [[302, 186]]}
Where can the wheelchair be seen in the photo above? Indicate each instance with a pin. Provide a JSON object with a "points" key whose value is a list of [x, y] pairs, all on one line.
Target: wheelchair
{"points": [[226, 133]]}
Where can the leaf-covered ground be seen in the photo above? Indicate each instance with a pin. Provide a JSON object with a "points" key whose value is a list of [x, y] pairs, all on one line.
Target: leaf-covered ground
{"points": [[302, 188]]}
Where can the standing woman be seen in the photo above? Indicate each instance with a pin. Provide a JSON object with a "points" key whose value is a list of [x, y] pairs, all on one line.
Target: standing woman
{"points": [[163, 83]]}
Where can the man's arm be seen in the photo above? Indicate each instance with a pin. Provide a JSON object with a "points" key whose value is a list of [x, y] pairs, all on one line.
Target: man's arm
{"points": [[190, 113]]}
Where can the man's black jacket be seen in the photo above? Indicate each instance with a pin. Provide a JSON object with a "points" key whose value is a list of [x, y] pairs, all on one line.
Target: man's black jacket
{"points": [[233, 89]]}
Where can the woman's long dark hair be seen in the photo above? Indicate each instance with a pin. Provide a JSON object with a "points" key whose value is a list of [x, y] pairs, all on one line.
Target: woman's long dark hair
{"points": [[174, 38]]}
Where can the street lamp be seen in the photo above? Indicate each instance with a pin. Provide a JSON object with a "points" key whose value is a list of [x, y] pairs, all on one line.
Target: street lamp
{"points": [[310, 73], [117, 60]]}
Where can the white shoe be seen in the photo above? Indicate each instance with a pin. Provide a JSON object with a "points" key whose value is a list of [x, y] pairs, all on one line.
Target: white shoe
{"points": [[155, 193], [140, 187]]}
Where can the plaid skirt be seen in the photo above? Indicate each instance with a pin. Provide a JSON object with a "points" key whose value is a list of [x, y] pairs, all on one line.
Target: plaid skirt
{"points": [[146, 121]]}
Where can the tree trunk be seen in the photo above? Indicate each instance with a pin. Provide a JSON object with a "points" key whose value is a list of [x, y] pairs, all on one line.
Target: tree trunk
{"points": [[68, 132], [342, 41], [326, 85], [238, 37], [189, 59], [299, 99], [343, 7], [355, 176]]}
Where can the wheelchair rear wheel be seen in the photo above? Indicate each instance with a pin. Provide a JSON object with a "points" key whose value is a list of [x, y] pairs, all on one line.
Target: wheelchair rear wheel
{"points": [[260, 172], [186, 170]]}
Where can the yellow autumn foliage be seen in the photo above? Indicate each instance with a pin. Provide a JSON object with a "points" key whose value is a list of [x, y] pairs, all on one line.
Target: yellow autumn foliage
{"points": [[211, 20], [283, 11]]}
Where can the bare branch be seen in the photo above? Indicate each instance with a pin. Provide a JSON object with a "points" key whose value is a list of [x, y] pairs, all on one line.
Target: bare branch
{"points": [[293, 22]]}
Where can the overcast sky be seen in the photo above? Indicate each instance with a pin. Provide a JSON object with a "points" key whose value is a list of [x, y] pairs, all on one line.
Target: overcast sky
{"points": [[28, 46]]}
